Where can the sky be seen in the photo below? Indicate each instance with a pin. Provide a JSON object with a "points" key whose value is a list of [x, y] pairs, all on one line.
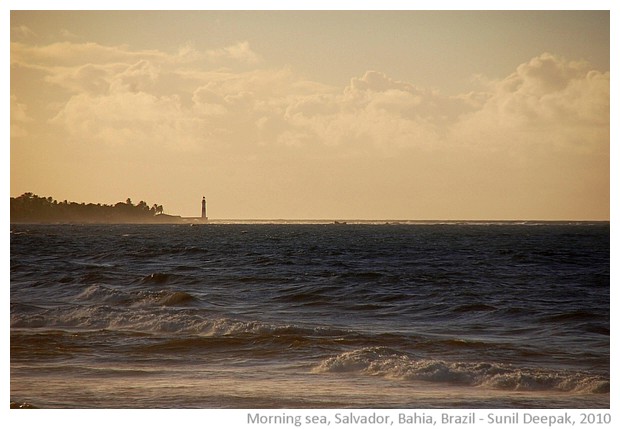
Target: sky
{"points": [[316, 114]]}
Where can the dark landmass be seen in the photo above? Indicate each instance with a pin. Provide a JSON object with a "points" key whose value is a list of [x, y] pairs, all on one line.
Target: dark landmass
{"points": [[31, 208]]}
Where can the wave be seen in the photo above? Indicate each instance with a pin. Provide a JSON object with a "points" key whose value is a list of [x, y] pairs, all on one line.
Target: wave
{"points": [[187, 321], [103, 294], [108, 295], [393, 364], [18, 307], [255, 340], [174, 298], [157, 278]]}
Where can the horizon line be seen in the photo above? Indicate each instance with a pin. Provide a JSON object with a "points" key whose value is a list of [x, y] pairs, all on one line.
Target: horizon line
{"points": [[336, 219]]}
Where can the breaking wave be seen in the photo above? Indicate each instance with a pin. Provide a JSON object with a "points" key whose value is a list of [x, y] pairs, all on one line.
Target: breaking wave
{"points": [[182, 321], [393, 364]]}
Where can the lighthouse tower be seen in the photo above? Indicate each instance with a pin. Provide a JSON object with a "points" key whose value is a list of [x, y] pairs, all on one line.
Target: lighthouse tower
{"points": [[204, 208]]}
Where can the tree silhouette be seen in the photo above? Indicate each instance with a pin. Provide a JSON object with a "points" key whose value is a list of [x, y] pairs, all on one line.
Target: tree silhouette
{"points": [[30, 207]]}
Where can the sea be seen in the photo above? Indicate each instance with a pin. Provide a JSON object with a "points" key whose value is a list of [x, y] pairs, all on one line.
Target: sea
{"points": [[305, 315]]}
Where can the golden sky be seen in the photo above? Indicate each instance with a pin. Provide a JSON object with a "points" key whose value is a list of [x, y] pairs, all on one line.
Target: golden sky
{"points": [[316, 115]]}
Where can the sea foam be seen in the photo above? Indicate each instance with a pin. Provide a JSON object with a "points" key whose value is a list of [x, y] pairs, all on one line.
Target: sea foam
{"points": [[393, 364]]}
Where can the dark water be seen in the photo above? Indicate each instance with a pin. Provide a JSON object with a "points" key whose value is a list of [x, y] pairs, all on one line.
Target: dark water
{"points": [[310, 315]]}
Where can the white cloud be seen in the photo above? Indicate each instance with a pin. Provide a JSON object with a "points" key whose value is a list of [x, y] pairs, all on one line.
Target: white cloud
{"points": [[125, 118], [77, 54], [240, 52], [150, 94], [545, 101], [88, 78], [138, 77], [19, 118]]}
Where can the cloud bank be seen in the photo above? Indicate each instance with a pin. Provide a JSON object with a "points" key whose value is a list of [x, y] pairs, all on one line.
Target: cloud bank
{"points": [[187, 92], [226, 103]]}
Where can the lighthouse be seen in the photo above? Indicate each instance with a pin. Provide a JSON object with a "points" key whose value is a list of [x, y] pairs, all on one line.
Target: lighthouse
{"points": [[204, 208]]}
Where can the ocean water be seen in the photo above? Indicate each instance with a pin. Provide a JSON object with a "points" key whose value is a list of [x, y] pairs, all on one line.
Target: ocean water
{"points": [[293, 315]]}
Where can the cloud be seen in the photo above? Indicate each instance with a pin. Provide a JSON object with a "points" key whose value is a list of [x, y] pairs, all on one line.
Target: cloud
{"points": [[66, 34], [240, 52], [547, 88], [22, 32], [19, 118], [126, 119], [99, 79], [88, 78], [377, 111], [71, 54], [377, 91], [545, 101]]}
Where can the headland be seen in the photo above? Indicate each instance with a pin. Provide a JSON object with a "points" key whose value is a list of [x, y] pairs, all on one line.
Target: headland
{"points": [[31, 208]]}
